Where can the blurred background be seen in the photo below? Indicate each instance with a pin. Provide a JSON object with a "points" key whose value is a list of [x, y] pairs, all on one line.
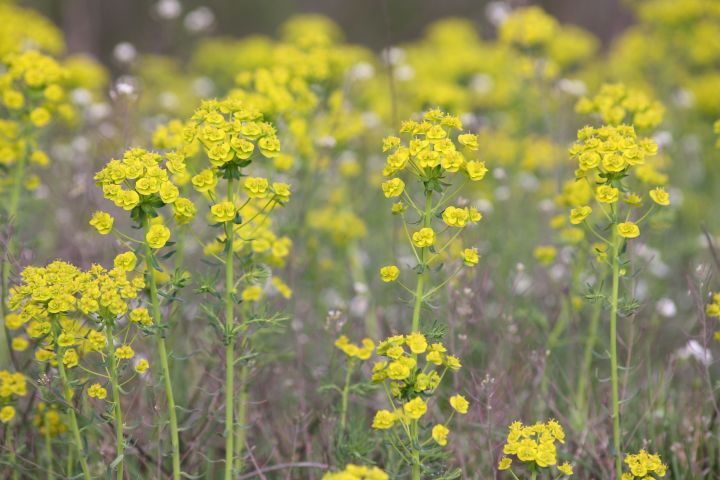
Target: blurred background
{"points": [[169, 27]]}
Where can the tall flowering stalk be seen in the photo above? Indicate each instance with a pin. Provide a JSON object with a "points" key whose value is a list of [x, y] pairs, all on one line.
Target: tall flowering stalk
{"points": [[32, 93], [608, 158], [432, 155], [72, 314], [232, 137], [142, 183]]}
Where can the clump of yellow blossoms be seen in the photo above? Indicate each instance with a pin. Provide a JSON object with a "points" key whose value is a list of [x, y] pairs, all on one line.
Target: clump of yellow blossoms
{"points": [[50, 297], [615, 103], [528, 27], [606, 157], [410, 373], [141, 183], [357, 472], [32, 93], [11, 385], [434, 154], [232, 136], [534, 446], [48, 420], [25, 29], [644, 465], [545, 46]]}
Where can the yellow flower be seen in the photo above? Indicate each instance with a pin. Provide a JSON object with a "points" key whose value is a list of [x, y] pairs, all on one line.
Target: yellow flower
{"points": [[439, 434], [628, 230], [184, 211], [505, 463], [470, 140], [459, 403], [660, 196], [607, 194], [141, 366], [251, 293], [545, 254], [97, 391], [157, 236], [204, 181], [565, 468], [40, 117], [416, 342], [455, 217], [168, 192], [70, 358], [383, 420], [125, 261], [7, 413], [124, 352], [393, 187], [13, 321], [470, 257], [424, 237], [476, 170], [415, 408], [256, 187], [398, 371], [453, 363], [141, 315], [103, 222], [282, 191], [223, 212], [579, 214], [389, 273], [20, 344]]}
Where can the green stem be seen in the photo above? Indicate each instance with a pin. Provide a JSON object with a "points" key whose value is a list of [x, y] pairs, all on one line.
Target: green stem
{"points": [[240, 432], [67, 393], [416, 467], [614, 353], [427, 215], [70, 464], [119, 430], [162, 351], [229, 340], [345, 392]]}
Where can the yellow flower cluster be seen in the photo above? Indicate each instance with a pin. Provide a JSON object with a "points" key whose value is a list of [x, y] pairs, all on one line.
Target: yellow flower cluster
{"points": [[528, 27], [48, 297], [31, 88], [357, 472], [141, 181], [644, 465], [25, 28], [535, 446], [48, 420], [230, 136], [11, 384], [606, 156], [363, 352], [410, 383], [617, 104], [431, 151]]}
